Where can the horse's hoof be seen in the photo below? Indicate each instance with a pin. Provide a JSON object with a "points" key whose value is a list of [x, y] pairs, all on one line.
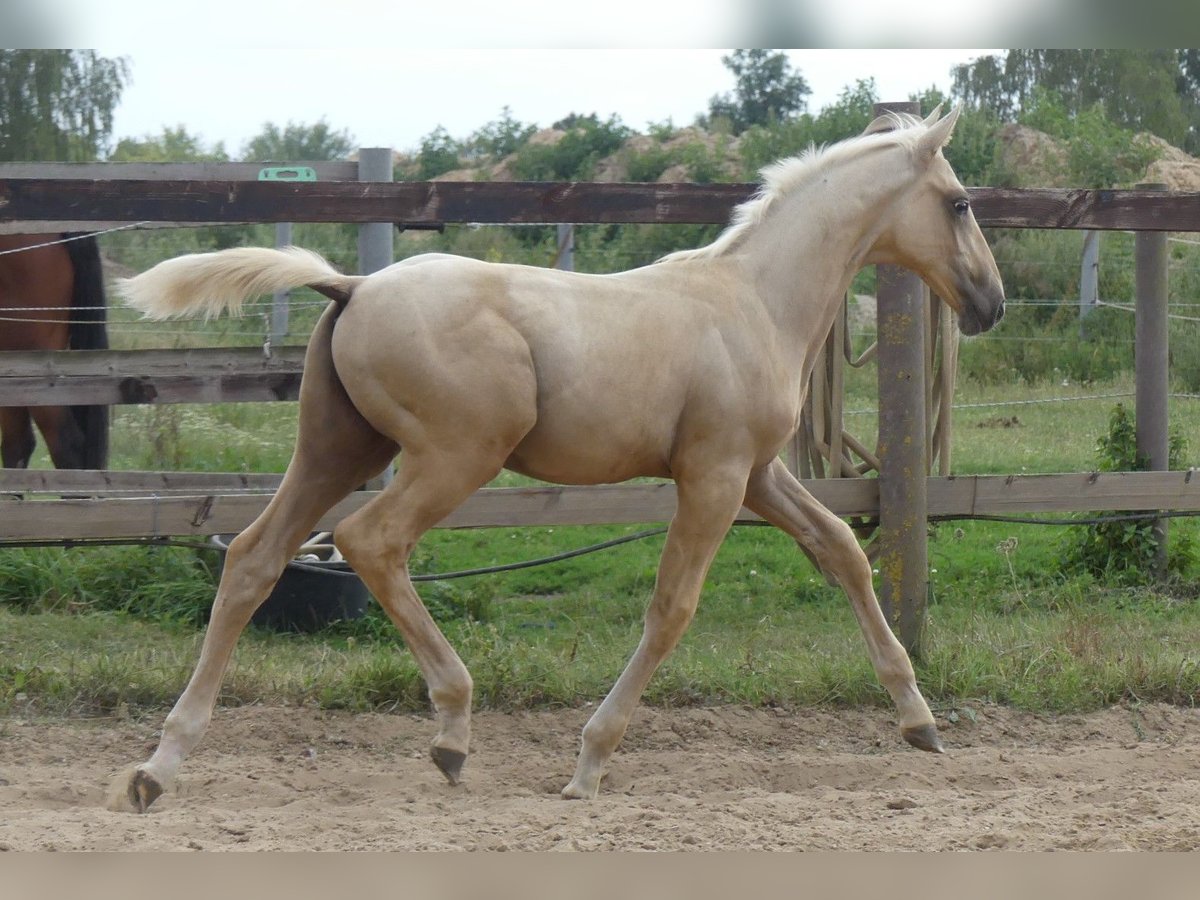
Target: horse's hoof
{"points": [[924, 737], [134, 791], [575, 791], [450, 762]]}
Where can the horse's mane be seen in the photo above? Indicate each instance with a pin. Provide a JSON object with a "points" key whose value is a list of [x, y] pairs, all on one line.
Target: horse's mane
{"points": [[784, 177]]}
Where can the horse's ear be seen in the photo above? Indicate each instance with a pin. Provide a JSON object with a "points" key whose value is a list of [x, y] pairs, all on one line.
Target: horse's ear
{"points": [[939, 133], [933, 116]]}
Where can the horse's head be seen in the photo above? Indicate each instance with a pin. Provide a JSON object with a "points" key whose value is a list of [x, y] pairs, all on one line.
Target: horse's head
{"points": [[932, 231]]}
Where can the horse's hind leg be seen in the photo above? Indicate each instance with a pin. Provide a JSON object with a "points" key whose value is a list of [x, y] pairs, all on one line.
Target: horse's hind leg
{"points": [[17, 440], [64, 439], [775, 494], [378, 540], [336, 451]]}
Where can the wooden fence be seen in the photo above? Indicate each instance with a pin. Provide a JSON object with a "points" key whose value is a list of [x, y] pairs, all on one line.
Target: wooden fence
{"points": [[42, 198]]}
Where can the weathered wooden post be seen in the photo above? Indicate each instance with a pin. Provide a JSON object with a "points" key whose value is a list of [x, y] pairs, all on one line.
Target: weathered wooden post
{"points": [[903, 501], [1150, 362]]}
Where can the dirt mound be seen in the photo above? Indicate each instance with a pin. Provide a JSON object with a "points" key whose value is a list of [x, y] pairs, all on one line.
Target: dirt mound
{"points": [[719, 778], [1174, 168]]}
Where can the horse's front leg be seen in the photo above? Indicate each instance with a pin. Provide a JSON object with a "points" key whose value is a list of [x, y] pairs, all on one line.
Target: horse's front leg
{"points": [[708, 504], [775, 494]]}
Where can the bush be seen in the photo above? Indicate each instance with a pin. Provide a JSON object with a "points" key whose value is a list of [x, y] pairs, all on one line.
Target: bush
{"points": [[574, 156], [1123, 551]]}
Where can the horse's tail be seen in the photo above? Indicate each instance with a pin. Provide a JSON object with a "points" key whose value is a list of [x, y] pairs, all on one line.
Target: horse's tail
{"points": [[212, 283], [88, 331]]}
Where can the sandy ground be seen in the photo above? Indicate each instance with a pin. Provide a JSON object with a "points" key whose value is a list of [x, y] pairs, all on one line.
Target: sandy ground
{"points": [[720, 778]]}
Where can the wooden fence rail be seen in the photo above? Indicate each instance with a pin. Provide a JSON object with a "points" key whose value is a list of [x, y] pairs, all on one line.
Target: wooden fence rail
{"points": [[426, 204], [197, 504], [113, 377]]}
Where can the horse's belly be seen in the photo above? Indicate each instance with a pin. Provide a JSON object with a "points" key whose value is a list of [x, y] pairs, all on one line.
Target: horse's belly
{"points": [[589, 454]]}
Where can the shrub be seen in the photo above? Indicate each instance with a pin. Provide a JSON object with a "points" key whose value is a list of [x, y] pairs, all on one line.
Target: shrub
{"points": [[1124, 550]]}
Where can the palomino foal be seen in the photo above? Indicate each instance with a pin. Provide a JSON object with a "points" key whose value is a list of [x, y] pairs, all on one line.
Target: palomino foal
{"points": [[691, 369]]}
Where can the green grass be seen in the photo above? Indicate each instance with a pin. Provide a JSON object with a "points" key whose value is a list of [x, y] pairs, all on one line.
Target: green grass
{"points": [[769, 631]]}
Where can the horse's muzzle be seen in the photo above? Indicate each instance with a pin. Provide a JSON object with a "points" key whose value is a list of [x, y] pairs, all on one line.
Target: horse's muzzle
{"points": [[984, 309]]}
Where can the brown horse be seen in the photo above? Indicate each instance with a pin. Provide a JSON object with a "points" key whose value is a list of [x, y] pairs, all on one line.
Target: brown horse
{"points": [[52, 298], [692, 368]]}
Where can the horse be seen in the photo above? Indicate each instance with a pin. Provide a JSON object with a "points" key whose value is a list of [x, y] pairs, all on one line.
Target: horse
{"points": [[52, 298], [691, 368]]}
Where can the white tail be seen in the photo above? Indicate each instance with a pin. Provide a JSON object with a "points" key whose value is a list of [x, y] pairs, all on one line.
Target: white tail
{"points": [[212, 283]]}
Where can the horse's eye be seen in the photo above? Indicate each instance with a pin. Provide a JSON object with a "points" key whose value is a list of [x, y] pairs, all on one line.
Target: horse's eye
{"points": [[961, 205]]}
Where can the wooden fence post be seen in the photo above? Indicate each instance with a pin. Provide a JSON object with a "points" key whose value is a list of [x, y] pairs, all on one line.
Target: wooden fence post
{"points": [[903, 467], [1150, 362]]}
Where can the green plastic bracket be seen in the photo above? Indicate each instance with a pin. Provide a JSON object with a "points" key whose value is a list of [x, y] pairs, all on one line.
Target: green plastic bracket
{"points": [[287, 173]]}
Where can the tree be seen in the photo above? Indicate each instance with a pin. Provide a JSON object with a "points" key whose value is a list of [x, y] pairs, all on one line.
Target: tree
{"points": [[1188, 87], [499, 138], [298, 142], [767, 89], [439, 154], [57, 104], [172, 145], [1140, 89]]}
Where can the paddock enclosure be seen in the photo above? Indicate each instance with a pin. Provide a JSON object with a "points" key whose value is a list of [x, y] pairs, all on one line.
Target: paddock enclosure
{"points": [[915, 386]]}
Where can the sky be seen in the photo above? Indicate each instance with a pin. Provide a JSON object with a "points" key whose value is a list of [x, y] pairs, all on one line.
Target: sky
{"points": [[390, 71], [393, 100]]}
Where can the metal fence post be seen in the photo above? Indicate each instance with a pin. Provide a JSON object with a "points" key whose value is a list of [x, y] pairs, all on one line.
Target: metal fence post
{"points": [[1089, 278], [1150, 362], [376, 240], [279, 300], [903, 466], [565, 257]]}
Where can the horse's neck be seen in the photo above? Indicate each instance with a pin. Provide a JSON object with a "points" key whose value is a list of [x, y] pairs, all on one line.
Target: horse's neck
{"points": [[806, 251]]}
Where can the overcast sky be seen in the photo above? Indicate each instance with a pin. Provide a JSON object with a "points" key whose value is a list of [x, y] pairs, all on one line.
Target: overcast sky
{"points": [[382, 70], [393, 100]]}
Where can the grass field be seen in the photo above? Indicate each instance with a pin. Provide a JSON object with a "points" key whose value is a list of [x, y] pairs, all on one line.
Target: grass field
{"points": [[107, 629]]}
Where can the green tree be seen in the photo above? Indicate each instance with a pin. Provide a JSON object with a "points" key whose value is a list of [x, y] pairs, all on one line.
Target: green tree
{"points": [[1187, 85], [572, 157], [1100, 153], [439, 154], [766, 90], [172, 145], [57, 104], [1140, 89], [297, 142], [500, 137]]}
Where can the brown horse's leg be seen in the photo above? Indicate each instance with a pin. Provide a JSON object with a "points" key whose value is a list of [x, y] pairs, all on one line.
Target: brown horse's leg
{"points": [[64, 438], [708, 504], [336, 451], [17, 440], [775, 494]]}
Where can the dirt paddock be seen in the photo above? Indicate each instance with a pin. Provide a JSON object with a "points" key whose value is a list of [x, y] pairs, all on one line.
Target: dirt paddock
{"points": [[715, 778]]}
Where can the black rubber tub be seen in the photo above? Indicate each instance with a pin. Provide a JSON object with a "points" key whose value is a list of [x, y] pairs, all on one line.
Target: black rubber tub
{"points": [[313, 592]]}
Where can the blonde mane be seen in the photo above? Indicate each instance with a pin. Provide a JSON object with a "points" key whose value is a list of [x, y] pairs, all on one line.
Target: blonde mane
{"points": [[788, 175]]}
